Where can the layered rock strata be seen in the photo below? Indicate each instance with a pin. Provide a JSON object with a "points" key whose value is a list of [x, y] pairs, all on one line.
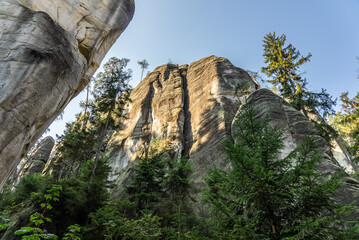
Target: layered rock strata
{"points": [[48, 53]]}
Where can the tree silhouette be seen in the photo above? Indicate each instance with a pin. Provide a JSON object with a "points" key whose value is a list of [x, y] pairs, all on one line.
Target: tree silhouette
{"points": [[144, 65]]}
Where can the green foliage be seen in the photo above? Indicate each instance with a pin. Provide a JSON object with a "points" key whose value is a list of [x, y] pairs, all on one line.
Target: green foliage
{"points": [[265, 197], [7, 198], [144, 65], [4, 222], [115, 226], [61, 213], [80, 196], [38, 219], [177, 181], [283, 64], [73, 233], [111, 92], [145, 227], [36, 233], [153, 184], [146, 187], [110, 95], [346, 122], [29, 187], [77, 144], [53, 194]]}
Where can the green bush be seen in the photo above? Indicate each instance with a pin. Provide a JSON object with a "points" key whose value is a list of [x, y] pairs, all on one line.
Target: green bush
{"points": [[31, 187]]}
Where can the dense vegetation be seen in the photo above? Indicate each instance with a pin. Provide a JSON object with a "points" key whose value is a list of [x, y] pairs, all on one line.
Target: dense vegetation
{"points": [[266, 197], [346, 122], [262, 196]]}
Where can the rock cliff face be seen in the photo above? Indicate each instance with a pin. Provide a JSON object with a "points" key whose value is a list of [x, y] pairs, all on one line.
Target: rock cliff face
{"points": [[186, 108], [190, 109], [49, 51]]}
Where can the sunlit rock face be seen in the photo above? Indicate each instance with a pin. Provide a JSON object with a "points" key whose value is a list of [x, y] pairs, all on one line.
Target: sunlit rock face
{"points": [[49, 50], [185, 108], [190, 110]]}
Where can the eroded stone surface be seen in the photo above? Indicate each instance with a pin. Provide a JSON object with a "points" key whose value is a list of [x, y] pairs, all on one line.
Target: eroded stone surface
{"points": [[190, 109], [37, 160], [48, 52], [181, 108]]}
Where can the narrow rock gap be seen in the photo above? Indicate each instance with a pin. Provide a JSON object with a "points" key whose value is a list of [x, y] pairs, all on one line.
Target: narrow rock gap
{"points": [[187, 127]]}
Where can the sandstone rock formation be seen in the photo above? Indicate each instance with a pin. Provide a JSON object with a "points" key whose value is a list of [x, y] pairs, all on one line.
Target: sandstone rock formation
{"points": [[49, 51], [185, 108], [190, 109], [37, 160]]}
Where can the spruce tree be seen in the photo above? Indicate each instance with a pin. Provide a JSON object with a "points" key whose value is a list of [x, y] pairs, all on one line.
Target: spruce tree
{"points": [[266, 197], [76, 145], [111, 93], [283, 63], [147, 183]]}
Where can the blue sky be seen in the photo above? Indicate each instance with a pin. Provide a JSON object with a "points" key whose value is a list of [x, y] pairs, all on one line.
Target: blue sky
{"points": [[188, 30]]}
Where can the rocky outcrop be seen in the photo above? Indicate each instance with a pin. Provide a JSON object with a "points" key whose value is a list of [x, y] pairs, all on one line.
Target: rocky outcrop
{"points": [[37, 160], [49, 51], [189, 109], [186, 108]]}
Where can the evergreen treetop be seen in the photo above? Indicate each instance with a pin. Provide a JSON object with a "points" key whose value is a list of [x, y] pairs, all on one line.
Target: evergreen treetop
{"points": [[266, 197], [283, 63]]}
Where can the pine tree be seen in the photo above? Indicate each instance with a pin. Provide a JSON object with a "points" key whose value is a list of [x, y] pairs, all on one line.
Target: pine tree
{"points": [[147, 182], [76, 145], [265, 197], [144, 65], [111, 93], [283, 63]]}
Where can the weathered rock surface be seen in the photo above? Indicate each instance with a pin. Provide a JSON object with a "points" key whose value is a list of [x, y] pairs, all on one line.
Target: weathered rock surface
{"points": [[49, 51], [37, 160], [182, 108], [190, 109]]}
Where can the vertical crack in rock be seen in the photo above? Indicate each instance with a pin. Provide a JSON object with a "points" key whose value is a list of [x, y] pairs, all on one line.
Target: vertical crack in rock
{"points": [[147, 128], [187, 127], [182, 108]]}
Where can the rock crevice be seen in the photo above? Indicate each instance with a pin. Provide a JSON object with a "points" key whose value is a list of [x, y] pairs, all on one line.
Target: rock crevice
{"points": [[187, 110]]}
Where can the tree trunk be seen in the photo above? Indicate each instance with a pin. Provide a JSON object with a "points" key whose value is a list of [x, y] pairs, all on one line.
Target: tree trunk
{"points": [[142, 73]]}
